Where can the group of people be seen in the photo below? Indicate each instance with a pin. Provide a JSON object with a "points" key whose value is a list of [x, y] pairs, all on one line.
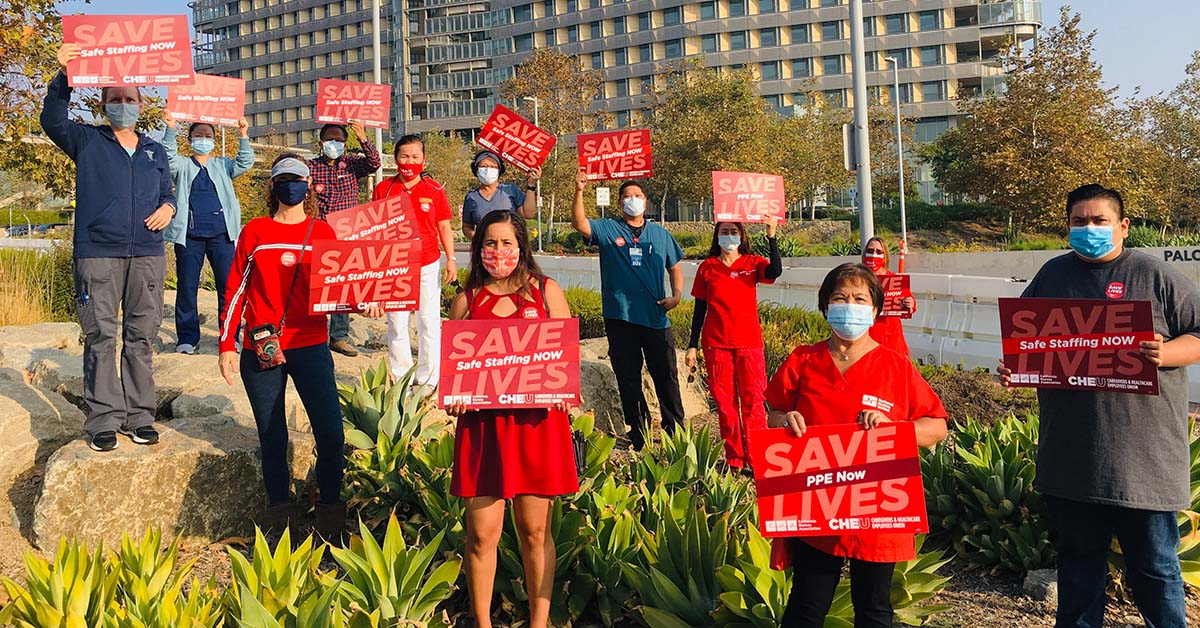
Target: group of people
{"points": [[1109, 463]]}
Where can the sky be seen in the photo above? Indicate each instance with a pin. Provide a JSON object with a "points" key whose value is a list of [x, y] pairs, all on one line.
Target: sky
{"points": [[1145, 43]]}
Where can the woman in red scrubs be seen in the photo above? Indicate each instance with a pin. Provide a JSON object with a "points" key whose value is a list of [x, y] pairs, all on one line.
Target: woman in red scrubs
{"points": [[887, 330], [846, 379], [525, 455], [726, 315]]}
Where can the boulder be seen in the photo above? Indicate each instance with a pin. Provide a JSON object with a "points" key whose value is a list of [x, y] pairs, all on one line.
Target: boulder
{"points": [[599, 388], [34, 422], [1042, 584], [21, 347], [203, 481]]}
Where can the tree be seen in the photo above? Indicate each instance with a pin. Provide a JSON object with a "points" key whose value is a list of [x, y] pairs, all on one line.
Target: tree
{"points": [[1173, 128], [1054, 127], [448, 159], [808, 147]]}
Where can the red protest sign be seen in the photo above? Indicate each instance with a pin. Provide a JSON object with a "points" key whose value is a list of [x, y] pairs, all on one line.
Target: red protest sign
{"points": [[616, 155], [895, 290], [386, 219], [837, 479], [515, 139], [1078, 344], [352, 276], [213, 99], [128, 50], [747, 196], [339, 102], [513, 363]]}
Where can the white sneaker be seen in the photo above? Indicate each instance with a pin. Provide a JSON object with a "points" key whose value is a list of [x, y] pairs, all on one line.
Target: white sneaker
{"points": [[185, 348]]}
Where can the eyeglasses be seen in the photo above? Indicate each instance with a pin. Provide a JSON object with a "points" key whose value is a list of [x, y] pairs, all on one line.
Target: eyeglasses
{"points": [[878, 251]]}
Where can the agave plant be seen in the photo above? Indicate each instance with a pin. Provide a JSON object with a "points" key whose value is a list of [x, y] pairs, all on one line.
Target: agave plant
{"points": [[282, 588], [76, 590], [599, 584], [569, 530], [151, 587], [752, 594], [913, 582], [372, 407]]}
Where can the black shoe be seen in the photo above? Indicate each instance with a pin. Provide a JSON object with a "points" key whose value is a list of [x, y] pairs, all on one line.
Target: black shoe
{"points": [[104, 441], [145, 435]]}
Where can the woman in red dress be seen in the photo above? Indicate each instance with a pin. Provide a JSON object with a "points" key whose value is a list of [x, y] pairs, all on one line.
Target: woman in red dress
{"points": [[849, 378], [521, 455], [887, 330]]}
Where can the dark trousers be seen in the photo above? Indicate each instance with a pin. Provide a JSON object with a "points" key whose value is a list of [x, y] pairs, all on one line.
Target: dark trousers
{"points": [[189, 261], [815, 576], [311, 370], [629, 346], [339, 327], [1149, 539], [132, 286]]}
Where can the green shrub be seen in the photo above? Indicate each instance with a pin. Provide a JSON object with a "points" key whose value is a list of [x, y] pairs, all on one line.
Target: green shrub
{"points": [[587, 307], [976, 394], [34, 217], [1145, 235], [1037, 243], [845, 247], [36, 286]]}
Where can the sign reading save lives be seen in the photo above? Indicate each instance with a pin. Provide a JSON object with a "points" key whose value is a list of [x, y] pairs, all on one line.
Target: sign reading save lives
{"points": [[510, 363], [616, 155], [339, 102], [515, 139], [128, 50], [386, 219], [214, 99], [837, 479], [895, 290], [747, 196], [352, 276], [1078, 344]]}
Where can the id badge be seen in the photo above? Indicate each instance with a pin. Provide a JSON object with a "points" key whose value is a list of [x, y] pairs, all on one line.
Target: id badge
{"points": [[635, 255]]}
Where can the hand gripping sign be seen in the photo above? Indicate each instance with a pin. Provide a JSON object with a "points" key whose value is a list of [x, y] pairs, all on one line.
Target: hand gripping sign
{"points": [[339, 102], [129, 50], [353, 276], [747, 196], [838, 479], [515, 139], [213, 99], [895, 290], [513, 363], [616, 155], [1078, 344]]}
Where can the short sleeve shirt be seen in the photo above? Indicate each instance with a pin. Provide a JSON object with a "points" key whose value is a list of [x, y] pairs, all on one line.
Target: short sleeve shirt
{"points": [[633, 270], [508, 197], [732, 296], [1112, 448], [431, 206], [809, 382]]}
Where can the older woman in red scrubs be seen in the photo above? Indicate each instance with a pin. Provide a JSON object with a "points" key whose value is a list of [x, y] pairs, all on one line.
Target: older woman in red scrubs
{"points": [[887, 330], [830, 383]]}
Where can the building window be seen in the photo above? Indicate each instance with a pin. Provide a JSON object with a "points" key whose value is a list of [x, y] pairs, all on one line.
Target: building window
{"points": [[619, 26], [547, 8], [766, 6], [643, 21], [801, 68], [573, 33], [551, 37], [868, 27], [900, 55], [672, 16], [523, 43], [834, 97], [896, 23], [737, 40], [775, 100], [800, 33], [830, 3], [622, 56], [597, 60], [673, 48], [931, 55], [645, 53], [933, 91], [572, 6], [708, 10], [708, 43], [623, 88], [770, 71], [523, 13], [905, 93], [870, 60], [597, 30], [622, 119], [929, 129], [798, 4], [831, 31], [831, 65], [930, 20], [737, 8], [768, 37]]}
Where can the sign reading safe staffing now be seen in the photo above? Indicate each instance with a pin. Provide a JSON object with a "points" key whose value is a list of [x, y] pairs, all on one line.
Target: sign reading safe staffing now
{"points": [[352, 276], [515, 139], [747, 196], [213, 99], [339, 102], [129, 50], [838, 479], [616, 155], [895, 290], [391, 218], [1078, 344], [510, 363]]}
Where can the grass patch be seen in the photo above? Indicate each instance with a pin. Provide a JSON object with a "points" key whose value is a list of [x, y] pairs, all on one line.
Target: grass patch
{"points": [[35, 286]]}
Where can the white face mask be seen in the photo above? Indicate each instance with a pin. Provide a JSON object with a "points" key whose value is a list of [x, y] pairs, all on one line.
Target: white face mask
{"points": [[633, 206], [488, 176], [729, 242]]}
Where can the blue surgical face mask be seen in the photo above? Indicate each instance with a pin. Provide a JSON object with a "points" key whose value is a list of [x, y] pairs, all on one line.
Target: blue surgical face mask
{"points": [[1092, 241], [333, 149], [203, 145], [729, 242], [849, 321], [122, 115], [291, 192]]}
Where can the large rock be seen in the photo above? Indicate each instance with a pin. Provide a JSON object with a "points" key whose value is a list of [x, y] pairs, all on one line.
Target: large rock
{"points": [[1042, 584], [21, 347], [34, 422], [203, 481], [599, 388]]}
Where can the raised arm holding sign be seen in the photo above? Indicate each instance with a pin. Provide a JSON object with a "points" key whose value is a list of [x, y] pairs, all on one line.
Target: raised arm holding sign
{"points": [[516, 139], [340, 102], [128, 50]]}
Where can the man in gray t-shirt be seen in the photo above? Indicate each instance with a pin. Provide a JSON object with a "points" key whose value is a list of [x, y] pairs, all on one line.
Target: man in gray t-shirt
{"points": [[1118, 462]]}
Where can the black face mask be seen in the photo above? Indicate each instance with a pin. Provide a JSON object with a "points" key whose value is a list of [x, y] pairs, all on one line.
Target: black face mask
{"points": [[291, 192]]}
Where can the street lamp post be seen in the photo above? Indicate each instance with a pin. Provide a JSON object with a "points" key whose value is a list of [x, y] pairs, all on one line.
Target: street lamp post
{"points": [[378, 75], [862, 132], [539, 183], [899, 159]]}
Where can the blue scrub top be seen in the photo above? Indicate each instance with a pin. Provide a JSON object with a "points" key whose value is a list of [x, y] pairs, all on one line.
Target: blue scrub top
{"points": [[631, 292]]}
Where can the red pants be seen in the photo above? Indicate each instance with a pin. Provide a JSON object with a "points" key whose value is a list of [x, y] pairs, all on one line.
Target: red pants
{"points": [[737, 380]]}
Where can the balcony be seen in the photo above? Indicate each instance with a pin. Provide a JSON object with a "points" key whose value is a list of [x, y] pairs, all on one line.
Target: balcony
{"points": [[1018, 12], [207, 10]]}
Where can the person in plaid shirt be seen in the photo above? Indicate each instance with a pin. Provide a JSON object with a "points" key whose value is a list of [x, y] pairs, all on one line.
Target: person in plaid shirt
{"points": [[335, 177]]}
